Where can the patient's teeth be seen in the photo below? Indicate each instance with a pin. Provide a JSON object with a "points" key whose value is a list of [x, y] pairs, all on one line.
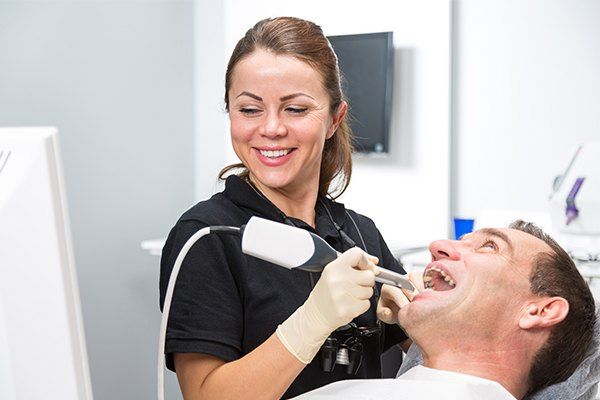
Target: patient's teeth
{"points": [[447, 278], [427, 278], [451, 282]]}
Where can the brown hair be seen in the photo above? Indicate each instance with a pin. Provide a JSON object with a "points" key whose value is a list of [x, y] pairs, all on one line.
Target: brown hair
{"points": [[305, 41], [555, 274]]}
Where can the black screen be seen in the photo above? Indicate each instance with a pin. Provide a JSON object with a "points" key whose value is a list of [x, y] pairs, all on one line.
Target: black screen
{"points": [[366, 63]]}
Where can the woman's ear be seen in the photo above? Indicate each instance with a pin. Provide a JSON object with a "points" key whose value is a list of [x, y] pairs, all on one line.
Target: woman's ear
{"points": [[544, 313], [338, 117]]}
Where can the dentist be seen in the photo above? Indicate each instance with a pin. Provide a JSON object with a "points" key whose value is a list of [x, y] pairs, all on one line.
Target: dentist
{"points": [[244, 328]]}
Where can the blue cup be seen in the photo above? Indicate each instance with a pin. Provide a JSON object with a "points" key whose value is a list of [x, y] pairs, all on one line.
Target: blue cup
{"points": [[462, 226]]}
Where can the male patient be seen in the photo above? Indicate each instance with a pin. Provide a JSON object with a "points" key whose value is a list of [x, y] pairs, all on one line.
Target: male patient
{"points": [[503, 314]]}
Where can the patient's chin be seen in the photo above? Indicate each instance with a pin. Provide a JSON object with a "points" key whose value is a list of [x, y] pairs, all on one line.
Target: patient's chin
{"points": [[426, 308], [413, 313]]}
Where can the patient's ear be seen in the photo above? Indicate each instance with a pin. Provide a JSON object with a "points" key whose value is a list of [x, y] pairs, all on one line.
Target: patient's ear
{"points": [[544, 313]]}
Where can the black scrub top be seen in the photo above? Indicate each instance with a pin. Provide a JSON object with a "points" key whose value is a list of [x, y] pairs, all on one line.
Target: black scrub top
{"points": [[226, 303]]}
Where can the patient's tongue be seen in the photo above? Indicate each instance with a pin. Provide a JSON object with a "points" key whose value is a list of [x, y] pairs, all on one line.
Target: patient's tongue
{"points": [[441, 285]]}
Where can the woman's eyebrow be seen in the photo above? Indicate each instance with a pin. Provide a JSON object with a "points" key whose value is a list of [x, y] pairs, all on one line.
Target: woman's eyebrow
{"points": [[255, 97], [294, 95], [284, 98]]}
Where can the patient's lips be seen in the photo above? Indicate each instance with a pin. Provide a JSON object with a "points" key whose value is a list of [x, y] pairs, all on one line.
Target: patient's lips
{"points": [[437, 279]]}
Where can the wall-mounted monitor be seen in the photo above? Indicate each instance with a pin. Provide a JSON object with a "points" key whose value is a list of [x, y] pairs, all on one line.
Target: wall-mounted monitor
{"points": [[367, 65]]}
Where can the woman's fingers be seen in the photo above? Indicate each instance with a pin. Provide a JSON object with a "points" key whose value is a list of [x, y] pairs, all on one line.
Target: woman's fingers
{"points": [[386, 315], [358, 259], [373, 259], [394, 295], [360, 292], [391, 300], [417, 280], [363, 278]]}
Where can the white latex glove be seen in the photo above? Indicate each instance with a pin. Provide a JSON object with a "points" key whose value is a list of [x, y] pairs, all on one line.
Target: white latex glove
{"points": [[341, 294], [392, 299]]}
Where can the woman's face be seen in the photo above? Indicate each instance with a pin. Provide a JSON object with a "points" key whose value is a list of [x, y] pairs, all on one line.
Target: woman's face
{"points": [[279, 112]]}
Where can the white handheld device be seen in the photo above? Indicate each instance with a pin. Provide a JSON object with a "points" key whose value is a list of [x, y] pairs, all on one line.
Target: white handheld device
{"points": [[295, 248]]}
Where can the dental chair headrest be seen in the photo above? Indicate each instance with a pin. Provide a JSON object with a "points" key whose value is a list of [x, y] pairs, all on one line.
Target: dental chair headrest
{"points": [[583, 384]]}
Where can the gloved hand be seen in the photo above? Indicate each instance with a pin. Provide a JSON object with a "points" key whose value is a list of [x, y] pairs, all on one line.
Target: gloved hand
{"points": [[392, 299], [341, 294]]}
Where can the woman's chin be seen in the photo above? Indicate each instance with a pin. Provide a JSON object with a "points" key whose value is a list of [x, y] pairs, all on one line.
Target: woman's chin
{"points": [[274, 180]]}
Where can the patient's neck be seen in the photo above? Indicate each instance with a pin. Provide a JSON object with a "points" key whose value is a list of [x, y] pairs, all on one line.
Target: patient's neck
{"points": [[509, 366]]}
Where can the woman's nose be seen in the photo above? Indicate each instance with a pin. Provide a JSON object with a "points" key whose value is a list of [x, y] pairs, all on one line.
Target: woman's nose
{"points": [[273, 126], [444, 249]]}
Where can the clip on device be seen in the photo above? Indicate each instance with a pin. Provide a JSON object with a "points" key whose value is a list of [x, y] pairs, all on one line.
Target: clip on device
{"points": [[284, 245]]}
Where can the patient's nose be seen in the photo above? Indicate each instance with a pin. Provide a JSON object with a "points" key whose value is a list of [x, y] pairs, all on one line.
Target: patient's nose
{"points": [[441, 249]]}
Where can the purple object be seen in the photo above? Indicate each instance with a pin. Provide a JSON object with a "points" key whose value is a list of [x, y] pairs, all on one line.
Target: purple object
{"points": [[572, 212]]}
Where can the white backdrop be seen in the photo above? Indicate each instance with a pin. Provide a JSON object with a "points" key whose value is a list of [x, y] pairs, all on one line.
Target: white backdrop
{"points": [[528, 89], [406, 193]]}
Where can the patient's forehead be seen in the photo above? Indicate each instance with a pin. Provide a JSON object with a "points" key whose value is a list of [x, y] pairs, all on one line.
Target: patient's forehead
{"points": [[521, 243], [527, 239]]}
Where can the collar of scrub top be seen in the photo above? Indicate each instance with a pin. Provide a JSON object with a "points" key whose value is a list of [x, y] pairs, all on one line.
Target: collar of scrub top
{"points": [[242, 194]]}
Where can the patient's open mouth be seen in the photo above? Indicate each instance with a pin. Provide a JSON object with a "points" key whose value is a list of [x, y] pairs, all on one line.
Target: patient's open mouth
{"points": [[437, 279]]}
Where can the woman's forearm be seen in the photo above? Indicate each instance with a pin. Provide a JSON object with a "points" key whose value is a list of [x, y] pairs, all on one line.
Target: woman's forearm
{"points": [[264, 373]]}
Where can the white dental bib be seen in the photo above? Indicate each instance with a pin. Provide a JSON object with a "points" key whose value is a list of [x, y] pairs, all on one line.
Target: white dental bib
{"points": [[417, 383]]}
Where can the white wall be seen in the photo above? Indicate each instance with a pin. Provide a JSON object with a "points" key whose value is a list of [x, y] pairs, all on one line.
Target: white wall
{"points": [[211, 122], [116, 78], [527, 90], [407, 193]]}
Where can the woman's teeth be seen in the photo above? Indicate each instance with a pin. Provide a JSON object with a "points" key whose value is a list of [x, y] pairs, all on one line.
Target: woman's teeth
{"points": [[274, 153]]}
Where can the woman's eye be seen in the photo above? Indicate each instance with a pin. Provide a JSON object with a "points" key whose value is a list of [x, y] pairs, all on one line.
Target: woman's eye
{"points": [[296, 110], [249, 111], [489, 244]]}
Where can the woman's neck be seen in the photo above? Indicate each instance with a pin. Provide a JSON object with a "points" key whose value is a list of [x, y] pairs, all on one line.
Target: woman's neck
{"points": [[294, 202]]}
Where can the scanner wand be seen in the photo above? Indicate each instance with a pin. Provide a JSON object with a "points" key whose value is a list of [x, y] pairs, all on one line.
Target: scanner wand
{"points": [[295, 248], [394, 279]]}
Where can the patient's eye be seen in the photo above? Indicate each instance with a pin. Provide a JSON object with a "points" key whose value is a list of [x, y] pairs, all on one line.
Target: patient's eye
{"points": [[489, 245]]}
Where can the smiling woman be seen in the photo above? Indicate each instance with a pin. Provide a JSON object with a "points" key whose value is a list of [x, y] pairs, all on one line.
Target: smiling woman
{"points": [[280, 120], [235, 319], [310, 62]]}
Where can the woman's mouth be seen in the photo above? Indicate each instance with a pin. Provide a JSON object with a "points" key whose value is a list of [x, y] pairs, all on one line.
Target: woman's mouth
{"points": [[274, 157], [275, 153]]}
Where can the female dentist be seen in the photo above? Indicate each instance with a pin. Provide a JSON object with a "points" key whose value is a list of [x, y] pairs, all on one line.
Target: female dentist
{"points": [[240, 327]]}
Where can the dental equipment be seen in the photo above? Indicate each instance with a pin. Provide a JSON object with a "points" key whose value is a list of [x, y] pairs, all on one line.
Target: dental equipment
{"points": [[575, 200], [281, 244], [295, 248], [575, 211]]}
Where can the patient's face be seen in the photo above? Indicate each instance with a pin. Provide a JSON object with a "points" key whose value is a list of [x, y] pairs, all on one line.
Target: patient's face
{"points": [[477, 287]]}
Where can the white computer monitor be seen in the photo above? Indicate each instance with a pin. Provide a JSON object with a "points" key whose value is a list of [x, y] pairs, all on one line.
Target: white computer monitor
{"points": [[42, 343]]}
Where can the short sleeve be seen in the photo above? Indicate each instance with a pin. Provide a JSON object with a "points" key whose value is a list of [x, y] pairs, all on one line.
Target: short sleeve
{"points": [[206, 313]]}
